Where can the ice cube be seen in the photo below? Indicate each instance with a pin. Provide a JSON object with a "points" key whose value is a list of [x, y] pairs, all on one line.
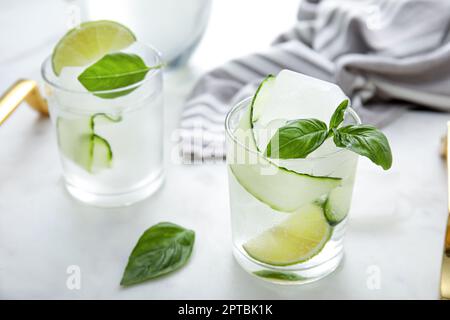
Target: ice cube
{"points": [[297, 96], [68, 78]]}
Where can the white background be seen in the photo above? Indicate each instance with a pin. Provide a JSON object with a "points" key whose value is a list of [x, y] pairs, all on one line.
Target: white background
{"points": [[397, 219]]}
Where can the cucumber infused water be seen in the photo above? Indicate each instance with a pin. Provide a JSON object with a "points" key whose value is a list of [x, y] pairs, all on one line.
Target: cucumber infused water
{"points": [[105, 96], [291, 176]]}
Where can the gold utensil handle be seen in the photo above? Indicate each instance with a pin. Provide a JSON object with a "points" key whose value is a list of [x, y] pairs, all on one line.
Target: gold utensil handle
{"points": [[445, 272], [22, 90]]}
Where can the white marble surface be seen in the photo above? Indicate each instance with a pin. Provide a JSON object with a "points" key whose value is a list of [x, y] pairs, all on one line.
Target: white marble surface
{"points": [[397, 219]]}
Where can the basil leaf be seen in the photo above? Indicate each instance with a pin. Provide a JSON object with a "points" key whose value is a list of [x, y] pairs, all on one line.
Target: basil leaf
{"points": [[162, 249], [114, 71], [338, 116], [297, 139], [367, 141]]}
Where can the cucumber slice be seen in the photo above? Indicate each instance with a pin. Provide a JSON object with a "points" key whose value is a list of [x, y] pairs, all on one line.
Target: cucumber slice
{"points": [[74, 139], [78, 141], [261, 97], [338, 203], [279, 188], [105, 118], [278, 275], [297, 239], [101, 154]]}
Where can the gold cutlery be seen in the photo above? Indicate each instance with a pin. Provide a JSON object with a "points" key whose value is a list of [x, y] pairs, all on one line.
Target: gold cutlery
{"points": [[22, 90], [445, 272]]}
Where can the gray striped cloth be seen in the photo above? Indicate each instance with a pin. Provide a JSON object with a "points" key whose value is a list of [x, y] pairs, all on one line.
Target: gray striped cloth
{"points": [[386, 55]]}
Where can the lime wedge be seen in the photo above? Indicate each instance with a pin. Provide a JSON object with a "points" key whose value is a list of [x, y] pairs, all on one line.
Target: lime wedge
{"points": [[300, 237], [89, 42]]}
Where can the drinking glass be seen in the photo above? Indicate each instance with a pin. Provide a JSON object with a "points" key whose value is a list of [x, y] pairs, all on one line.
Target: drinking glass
{"points": [[288, 217], [175, 27], [110, 142]]}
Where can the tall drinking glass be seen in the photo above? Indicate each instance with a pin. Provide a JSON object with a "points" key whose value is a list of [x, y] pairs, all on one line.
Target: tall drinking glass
{"points": [[175, 27], [288, 217], [110, 142]]}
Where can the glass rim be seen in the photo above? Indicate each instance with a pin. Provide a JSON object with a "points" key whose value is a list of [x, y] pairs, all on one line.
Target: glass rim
{"points": [[46, 64], [245, 103]]}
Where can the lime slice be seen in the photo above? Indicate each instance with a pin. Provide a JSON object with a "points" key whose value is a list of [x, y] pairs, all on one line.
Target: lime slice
{"points": [[89, 42], [279, 188], [295, 240]]}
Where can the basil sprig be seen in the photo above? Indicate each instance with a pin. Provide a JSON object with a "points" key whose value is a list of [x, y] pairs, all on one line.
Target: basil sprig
{"points": [[162, 249], [114, 71], [298, 138]]}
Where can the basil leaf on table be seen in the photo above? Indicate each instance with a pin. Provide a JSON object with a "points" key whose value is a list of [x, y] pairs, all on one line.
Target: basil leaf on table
{"points": [[162, 249], [114, 71], [367, 141], [338, 116], [297, 139]]}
